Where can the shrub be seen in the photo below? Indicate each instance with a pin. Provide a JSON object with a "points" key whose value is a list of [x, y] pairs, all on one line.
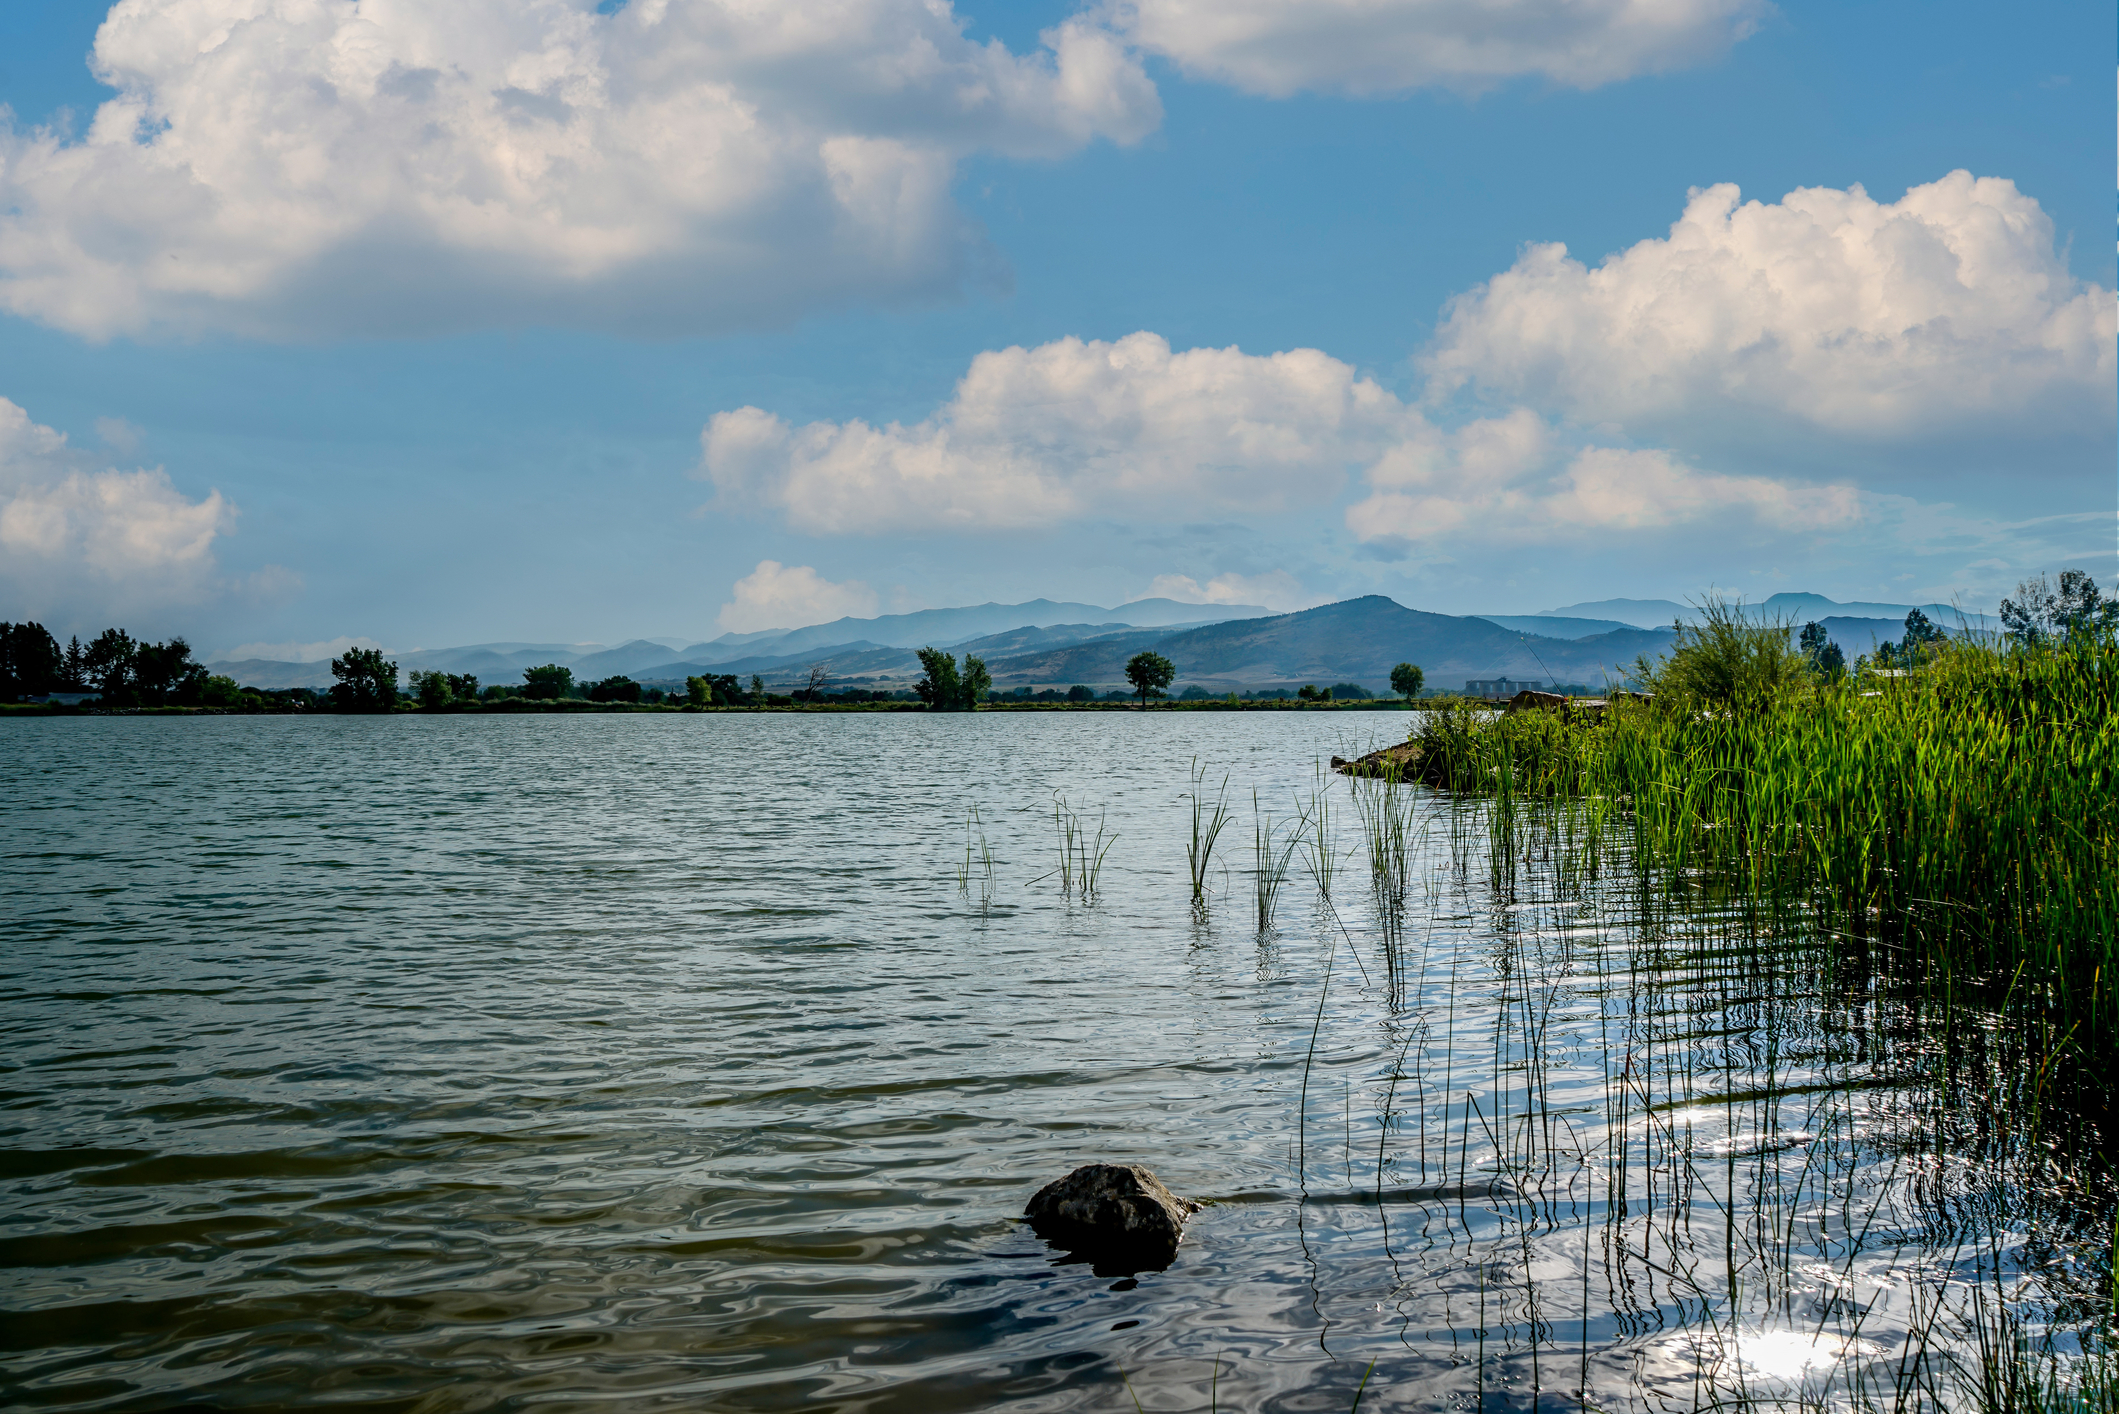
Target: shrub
{"points": [[1724, 660]]}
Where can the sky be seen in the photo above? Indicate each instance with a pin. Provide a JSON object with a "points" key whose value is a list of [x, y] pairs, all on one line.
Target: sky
{"points": [[544, 320]]}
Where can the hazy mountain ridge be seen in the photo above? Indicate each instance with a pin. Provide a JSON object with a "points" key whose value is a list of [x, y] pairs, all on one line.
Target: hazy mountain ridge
{"points": [[1801, 608], [1550, 626], [1355, 640], [942, 628]]}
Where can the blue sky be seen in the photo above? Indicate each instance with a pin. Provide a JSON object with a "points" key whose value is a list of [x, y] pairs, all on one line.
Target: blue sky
{"points": [[430, 434]]}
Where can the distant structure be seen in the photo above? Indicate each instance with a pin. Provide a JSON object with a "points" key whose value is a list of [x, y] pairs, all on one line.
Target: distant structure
{"points": [[1499, 687]]}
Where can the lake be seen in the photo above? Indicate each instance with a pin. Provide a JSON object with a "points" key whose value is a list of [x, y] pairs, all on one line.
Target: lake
{"points": [[707, 1062]]}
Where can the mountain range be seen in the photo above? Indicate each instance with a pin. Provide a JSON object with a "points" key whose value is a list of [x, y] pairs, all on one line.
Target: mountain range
{"points": [[1798, 609], [1218, 647]]}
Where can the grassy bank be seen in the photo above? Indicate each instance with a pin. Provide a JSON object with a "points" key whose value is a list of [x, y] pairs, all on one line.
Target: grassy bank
{"points": [[1968, 811]]}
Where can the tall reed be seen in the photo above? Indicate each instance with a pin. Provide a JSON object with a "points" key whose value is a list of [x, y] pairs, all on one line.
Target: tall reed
{"points": [[1081, 854], [1969, 813], [1315, 832], [1208, 821], [1270, 857]]}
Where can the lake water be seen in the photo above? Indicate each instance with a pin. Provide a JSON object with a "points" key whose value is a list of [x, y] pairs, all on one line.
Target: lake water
{"points": [[689, 1062]]}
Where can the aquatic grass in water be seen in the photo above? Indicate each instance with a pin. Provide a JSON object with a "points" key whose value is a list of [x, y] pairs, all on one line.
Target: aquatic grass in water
{"points": [[1208, 821], [1970, 811], [978, 860], [1081, 854], [1319, 847], [1270, 859]]}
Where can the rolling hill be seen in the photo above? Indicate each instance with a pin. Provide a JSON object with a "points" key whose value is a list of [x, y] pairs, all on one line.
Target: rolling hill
{"points": [[1358, 639]]}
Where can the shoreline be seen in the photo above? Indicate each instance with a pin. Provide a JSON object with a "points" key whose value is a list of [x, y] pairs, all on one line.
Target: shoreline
{"points": [[516, 706]]}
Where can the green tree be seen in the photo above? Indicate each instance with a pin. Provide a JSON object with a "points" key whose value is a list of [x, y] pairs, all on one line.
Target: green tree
{"points": [[938, 685], [945, 688], [1349, 692], [2080, 610], [367, 681], [30, 661], [2040, 613], [221, 691], [1081, 693], [107, 664], [430, 689], [165, 673], [976, 682], [757, 688], [1407, 680], [615, 689], [548, 683], [1150, 673], [1825, 657], [698, 692], [463, 687]]}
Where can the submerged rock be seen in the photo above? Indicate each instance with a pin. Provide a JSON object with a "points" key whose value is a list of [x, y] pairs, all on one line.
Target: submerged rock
{"points": [[1400, 762], [1118, 1215]]}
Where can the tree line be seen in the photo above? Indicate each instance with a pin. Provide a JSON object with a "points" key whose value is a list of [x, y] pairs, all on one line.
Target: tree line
{"points": [[121, 670], [128, 673]]}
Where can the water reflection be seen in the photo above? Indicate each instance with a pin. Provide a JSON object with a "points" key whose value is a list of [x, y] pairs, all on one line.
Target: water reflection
{"points": [[708, 1062]]}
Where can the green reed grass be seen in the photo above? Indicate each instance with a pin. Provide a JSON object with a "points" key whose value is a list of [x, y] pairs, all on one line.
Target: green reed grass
{"points": [[1969, 812], [1271, 851], [1315, 832], [1208, 821], [1081, 853]]}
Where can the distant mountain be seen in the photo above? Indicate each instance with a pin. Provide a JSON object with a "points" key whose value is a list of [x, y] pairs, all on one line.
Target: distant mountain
{"points": [[1803, 608], [1549, 626], [1640, 613], [1799, 608], [842, 660], [1359, 639], [943, 628], [1238, 646], [272, 674]]}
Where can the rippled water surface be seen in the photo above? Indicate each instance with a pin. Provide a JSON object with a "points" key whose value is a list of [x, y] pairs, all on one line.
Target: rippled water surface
{"points": [[702, 1062]]}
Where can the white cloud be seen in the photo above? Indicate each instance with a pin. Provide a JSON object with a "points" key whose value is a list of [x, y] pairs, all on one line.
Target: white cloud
{"points": [[118, 435], [1069, 430], [1277, 47], [1946, 308], [299, 169], [298, 652], [1508, 481], [1275, 589], [93, 540], [788, 596], [1124, 430]]}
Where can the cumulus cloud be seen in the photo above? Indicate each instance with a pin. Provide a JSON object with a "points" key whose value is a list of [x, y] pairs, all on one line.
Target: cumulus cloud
{"points": [[778, 596], [1073, 430], [79, 537], [1067, 430], [1275, 589], [1945, 309], [296, 169], [1509, 481], [1277, 47]]}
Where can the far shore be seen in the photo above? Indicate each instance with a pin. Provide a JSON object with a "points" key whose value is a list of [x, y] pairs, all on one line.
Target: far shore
{"points": [[519, 706]]}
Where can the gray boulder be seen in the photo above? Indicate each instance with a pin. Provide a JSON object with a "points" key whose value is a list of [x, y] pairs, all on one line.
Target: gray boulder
{"points": [[1118, 1215]]}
